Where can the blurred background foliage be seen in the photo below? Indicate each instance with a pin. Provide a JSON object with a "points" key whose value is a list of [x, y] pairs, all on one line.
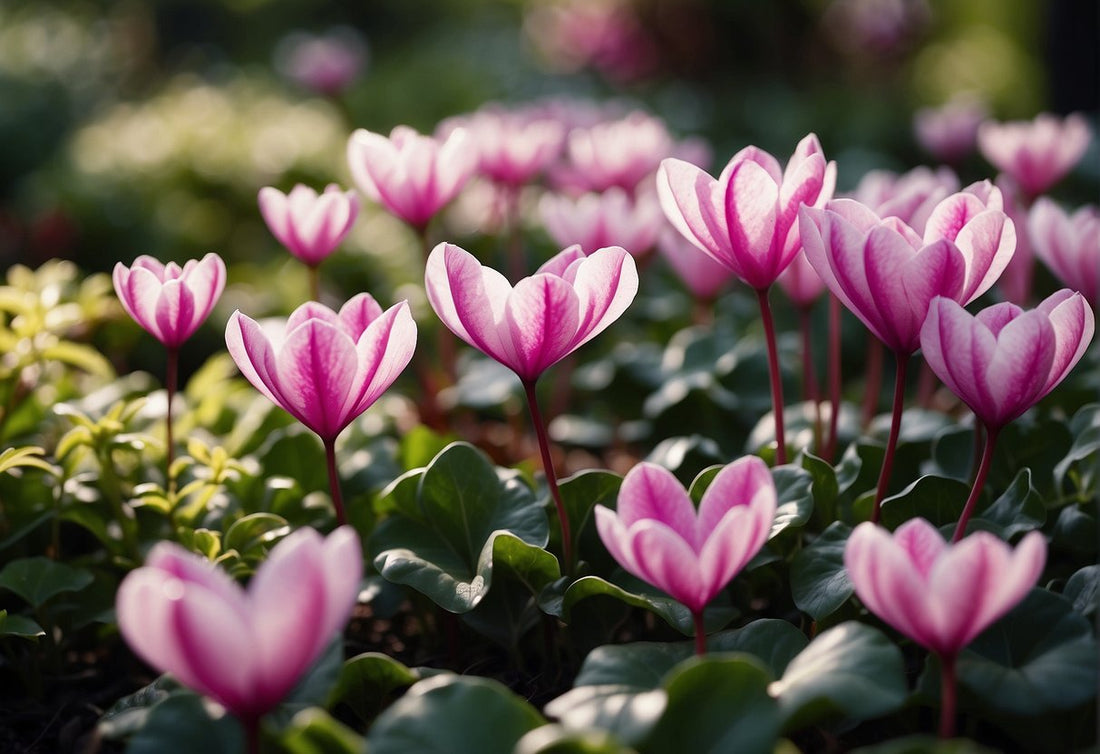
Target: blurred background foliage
{"points": [[148, 126]]}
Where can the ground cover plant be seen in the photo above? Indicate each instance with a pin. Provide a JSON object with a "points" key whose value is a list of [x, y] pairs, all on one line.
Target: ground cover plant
{"points": [[620, 466]]}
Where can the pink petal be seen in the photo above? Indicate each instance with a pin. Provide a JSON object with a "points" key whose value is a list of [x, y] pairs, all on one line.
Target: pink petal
{"points": [[1074, 325], [922, 543], [752, 206], [252, 352], [358, 313], [315, 369], [745, 482], [733, 542], [470, 299], [616, 539], [175, 311], [383, 351], [987, 243], [275, 210], [542, 318], [669, 563], [692, 201], [651, 492], [605, 283]]}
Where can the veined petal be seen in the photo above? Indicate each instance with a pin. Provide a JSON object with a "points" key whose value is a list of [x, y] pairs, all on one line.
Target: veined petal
{"points": [[357, 314], [314, 373], [383, 352], [1074, 325], [987, 243], [959, 349], [692, 202], [668, 562], [922, 543], [731, 544], [1020, 365], [745, 482], [937, 270], [252, 352], [542, 316], [615, 538], [752, 214], [275, 209], [650, 491], [175, 311], [605, 283], [469, 299]]}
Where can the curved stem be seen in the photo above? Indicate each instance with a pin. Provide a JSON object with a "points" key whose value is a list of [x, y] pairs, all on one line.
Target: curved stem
{"points": [[948, 688], [551, 477], [700, 633], [834, 377], [334, 481], [773, 373], [979, 483], [895, 430], [170, 384]]}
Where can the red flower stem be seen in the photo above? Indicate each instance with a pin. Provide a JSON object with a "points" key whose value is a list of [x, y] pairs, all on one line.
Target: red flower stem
{"points": [[334, 481], [834, 377], [979, 483], [551, 477], [926, 386], [171, 378], [874, 379], [773, 373], [809, 376], [700, 633], [902, 360], [252, 735], [948, 691]]}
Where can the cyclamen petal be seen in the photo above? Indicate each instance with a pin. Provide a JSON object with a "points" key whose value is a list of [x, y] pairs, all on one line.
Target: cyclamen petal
{"points": [[170, 302], [245, 650], [544, 318], [940, 595], [308, 224], [658, 536], [322, 371]]}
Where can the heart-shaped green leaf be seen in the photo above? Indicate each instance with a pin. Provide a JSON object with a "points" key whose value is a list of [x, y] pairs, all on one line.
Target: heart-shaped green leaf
{"points": [[37, 579], [819, 581]]}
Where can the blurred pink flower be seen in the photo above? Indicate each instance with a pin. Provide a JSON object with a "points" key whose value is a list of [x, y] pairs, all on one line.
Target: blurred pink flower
{"points": [[325, 368], [170, 301], [1004, 360], [657, 534], [325, 63], [801, 282], [702, 275], [244, 649], [1069, 245], [950, 132], [910, 196], [611, 218], [1015, 282], [513, 146], [939, 595], [746, 218], [1037, 153], [602, 34], [887, 275], [880, 27], [622, 153], [566, 303], [411, 175], [309, 225]]}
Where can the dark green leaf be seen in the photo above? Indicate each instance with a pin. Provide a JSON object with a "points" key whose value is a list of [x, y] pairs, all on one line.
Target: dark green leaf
{"points": [[851, 669], [452, 714], [824, 490], [686, 457], [1040, 657], [1020, 509], [792, 488], [925, 745], [716, 705], [555, 739], [129, 714], [37, 579], [819, 581], [1085, 429], [184, 724], [366, 682], [313, 731], [937, 499], [250, 535], [580, 494], [19, 625], [1083, 588]]}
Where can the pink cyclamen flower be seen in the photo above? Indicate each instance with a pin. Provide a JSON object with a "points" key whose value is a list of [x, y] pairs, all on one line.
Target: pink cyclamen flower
{"points": [[910, 196], [309, 225], [1037, 153], [611, 218], [513, 146], [657, 534], [1004, 360], [699, 271], [1016, 281], [170, 301], [1069, 245], [244, 649], [950, 132], [411, 175], [325, 368], [545, 317], [746, 218], [326, 63], [939, 595], [887, 275], [619, 153]]}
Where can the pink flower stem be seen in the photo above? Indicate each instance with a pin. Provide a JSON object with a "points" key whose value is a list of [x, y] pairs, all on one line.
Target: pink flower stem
{"points": [[773, 372], [902, 360], [551, 477], [809, 377], [251, 727], [700, 633], [834, 378], [334, 481], [979, 483], [171, 377], [948, 692], [314, 283], [874, 379]]}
